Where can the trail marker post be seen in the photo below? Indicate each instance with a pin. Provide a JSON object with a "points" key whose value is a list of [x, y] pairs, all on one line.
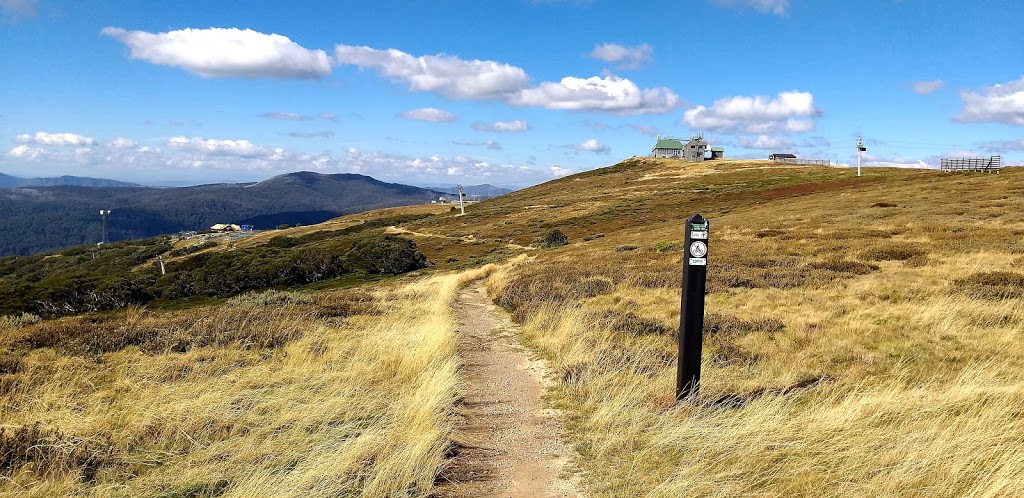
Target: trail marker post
{"points": [[691, 314]]}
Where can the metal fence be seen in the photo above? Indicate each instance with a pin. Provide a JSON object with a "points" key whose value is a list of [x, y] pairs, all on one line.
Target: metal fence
{"points": [[992, 163], [805, 162]]}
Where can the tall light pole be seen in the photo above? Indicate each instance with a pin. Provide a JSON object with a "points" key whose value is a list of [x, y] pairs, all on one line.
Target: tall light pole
{"points": [[860, 149], [104, 213], [462, 206]]}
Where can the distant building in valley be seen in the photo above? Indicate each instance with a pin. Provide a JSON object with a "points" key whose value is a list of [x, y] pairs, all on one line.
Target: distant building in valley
{"points": [[225, 227]]}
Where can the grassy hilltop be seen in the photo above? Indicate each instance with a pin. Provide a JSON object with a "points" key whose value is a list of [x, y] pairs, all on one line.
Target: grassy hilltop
{"points": [[860, 341]]}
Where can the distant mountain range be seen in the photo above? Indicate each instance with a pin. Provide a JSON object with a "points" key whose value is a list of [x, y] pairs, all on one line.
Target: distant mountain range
{"points": [[80, 181], [484, 190], [34, 219]]}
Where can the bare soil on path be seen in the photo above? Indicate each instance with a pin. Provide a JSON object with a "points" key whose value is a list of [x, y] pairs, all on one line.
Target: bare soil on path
{"points": [[507, 443]]}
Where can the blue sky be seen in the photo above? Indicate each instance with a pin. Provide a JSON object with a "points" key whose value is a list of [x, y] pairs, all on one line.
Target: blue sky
{"points": [[508, 93]]}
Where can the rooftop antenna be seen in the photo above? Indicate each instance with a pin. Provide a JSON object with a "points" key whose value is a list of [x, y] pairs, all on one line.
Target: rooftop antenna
{"points": [[860, 149], [462, 206], [104, 213]]}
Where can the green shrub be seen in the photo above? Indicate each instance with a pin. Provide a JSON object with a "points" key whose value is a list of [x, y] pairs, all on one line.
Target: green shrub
{"points": [[283, 226], [554, 238], [281, 241], [625, 248], [384, 254]]}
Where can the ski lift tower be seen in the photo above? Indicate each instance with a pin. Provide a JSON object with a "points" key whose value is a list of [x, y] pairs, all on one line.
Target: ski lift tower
{"points": [[860, 149], [462, 205], [104, 213]]}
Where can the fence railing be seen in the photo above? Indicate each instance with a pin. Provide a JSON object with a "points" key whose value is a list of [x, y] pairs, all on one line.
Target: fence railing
{"points": [[805, 162], [992, 163]]}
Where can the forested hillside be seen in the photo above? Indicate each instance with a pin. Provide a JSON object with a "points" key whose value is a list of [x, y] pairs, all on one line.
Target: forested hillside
{"points": [[43, 218]]}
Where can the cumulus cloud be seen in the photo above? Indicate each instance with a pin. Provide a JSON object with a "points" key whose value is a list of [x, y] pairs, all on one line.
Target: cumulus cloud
{"points": [[926, 87], [225, 53], [288, 116], [607, 93], [787, 112], [624, 57], [215, 147], [892, 162], [777, 7], [429, 114], [446, 75], [490, 144], [311, 134], [591, 145], [766, 142], [122, 143], [329, 116], [44, 138], [994, 104], [455, 78], [515, 126], [19, 8], [27, 153]]}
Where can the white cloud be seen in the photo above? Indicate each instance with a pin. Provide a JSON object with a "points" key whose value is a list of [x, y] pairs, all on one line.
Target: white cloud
{"points": [[226, 53], [446, 75], [891, 162], [766, 142], [455, 78], [490, 144], [429, 114], [122, 143], [995, 104], [289, 116], [609, 93], [558, 171], [591, 145], [515, 126], [777, 7], [44, 138], [623, 56], [215, 147], [787, 112], [26, 153], [19, 8], [329, 116], [1003, 146], [926, 87]]}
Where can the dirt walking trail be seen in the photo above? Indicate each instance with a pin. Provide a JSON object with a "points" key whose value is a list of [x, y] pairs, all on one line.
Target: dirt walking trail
{"points": [[508, 444]]}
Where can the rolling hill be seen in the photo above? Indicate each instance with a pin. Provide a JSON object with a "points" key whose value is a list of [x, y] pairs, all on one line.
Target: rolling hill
{"points": [[860, 339], [34, 219], [80, 181]]}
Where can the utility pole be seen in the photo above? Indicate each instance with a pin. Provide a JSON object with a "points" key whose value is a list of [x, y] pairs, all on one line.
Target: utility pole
{"points": [[104, 213], [462, 206], [860, 149]]}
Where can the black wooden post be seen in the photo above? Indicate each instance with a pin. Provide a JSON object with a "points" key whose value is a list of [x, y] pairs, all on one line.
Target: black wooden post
{"points": [[691, 315]]}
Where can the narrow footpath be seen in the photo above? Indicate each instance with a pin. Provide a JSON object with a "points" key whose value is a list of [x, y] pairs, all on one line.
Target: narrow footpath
{"points": [[507, 443]]}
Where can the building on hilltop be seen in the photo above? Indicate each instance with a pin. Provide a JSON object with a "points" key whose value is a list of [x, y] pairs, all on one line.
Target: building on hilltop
{"points": [[667, 147], [694, 150], [780, 157]]}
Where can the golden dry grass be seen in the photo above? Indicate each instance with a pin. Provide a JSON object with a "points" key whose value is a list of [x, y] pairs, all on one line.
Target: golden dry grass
{"points": [[860, 341], [344, 405]]}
